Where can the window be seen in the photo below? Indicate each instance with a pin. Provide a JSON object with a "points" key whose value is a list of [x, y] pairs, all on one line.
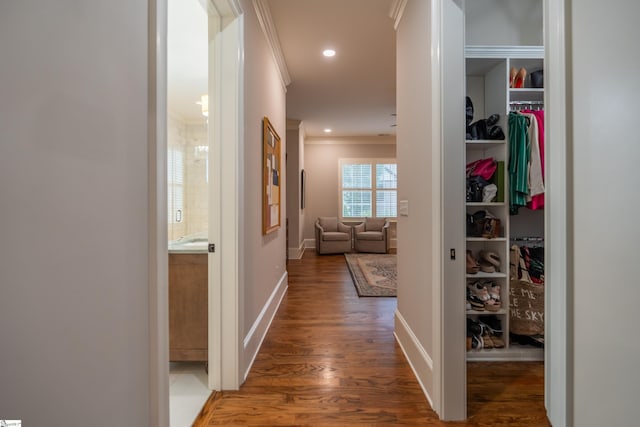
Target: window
{"points": [[368, 188], [175, 185]]}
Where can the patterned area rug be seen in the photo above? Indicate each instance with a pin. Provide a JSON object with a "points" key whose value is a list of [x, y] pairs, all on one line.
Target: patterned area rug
{"points": [[374, 275]]}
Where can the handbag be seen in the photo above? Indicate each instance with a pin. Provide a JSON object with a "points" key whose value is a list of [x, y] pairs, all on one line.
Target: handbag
{"points": [[475, 186], [483, 168]]}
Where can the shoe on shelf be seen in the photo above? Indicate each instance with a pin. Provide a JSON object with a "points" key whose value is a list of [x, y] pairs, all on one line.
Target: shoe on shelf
{"points": [[472, 264], [493, 119], [493, 323], [474, 330], [512, 76], [518, 82], [494, 303], [474, 302], [496, 133], [479, 290], [489, 261]]}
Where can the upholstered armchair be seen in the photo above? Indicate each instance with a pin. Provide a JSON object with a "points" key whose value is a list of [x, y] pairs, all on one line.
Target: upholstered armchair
{"points": [[372, 236], [332, 236]]}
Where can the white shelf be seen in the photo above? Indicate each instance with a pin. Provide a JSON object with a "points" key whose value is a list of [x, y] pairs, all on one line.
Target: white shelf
{"points": [[471, 142], [483, 275], [483, 239], [527, 90], [485, 204], [502, 311]]}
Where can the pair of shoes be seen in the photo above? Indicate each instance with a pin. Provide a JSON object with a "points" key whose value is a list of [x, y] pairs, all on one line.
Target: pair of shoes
{"points": [[472, 265], [485, 128], [474, 331], [483, 295], [474, 302], [516, 77], [489, 261], [490, 338]]}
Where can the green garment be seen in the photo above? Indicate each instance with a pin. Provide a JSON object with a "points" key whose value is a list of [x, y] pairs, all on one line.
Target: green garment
{"points": [[518, 162]]}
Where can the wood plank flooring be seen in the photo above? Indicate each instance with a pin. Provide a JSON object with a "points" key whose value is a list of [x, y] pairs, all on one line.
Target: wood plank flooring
{"points": [[330, 359]]}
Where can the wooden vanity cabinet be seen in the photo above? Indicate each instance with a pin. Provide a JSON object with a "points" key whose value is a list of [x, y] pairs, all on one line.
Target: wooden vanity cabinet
{"points": [[188, 307]]}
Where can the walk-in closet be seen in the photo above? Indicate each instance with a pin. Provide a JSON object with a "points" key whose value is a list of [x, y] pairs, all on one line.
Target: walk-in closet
{"points": [[505, 192]]}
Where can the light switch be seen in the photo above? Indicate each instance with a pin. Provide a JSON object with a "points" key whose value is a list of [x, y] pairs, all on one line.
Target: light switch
{"points": [[403, 208]]}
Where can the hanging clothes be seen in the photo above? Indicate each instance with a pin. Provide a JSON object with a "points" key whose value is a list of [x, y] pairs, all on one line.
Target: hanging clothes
{"points": [[537, 201], [518, 162]]}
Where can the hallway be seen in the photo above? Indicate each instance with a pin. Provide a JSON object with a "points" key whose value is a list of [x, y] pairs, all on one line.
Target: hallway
{"points": [[330, 358]]}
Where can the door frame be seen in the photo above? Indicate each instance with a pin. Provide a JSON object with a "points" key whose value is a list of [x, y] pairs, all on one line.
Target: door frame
{"points": [[558, 299], [224, 289], [225, 141]]}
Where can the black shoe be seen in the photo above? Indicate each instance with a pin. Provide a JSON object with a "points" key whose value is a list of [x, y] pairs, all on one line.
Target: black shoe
{"points": [[469, 111], [496, 133], [493, 119], [479, 129]]}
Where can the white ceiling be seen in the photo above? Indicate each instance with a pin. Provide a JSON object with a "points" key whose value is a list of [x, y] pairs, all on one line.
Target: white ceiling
{"points": [[352, 93]]}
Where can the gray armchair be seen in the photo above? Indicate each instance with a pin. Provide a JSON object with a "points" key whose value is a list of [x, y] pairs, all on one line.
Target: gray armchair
{"points": [[372, 236], [332, 236]]}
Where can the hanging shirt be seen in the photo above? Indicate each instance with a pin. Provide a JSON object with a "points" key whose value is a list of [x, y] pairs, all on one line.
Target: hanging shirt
{"points": [[537, 202], [536, 182], [518, 161]]}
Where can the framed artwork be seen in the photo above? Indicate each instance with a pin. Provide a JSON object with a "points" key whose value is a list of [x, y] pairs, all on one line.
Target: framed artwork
{"points": [[271, 178]]}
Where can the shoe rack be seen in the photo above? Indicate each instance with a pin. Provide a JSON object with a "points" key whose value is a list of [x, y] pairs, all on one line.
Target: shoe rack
{"points": [[487, 84]]}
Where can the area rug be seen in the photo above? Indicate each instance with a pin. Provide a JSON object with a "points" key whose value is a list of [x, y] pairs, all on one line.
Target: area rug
{"points": [[374, 275]]}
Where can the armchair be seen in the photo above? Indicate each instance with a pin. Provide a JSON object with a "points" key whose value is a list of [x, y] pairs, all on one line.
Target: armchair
{"points": [[332, 236], [372, 236]]}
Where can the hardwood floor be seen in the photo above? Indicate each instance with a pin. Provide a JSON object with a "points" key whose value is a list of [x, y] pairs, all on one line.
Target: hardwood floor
{"points": [[330, 358]]}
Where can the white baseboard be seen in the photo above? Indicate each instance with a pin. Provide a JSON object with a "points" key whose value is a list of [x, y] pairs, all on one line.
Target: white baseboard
{"points": [[310, 243], [296, 253], [253, 340], [417, 356]]}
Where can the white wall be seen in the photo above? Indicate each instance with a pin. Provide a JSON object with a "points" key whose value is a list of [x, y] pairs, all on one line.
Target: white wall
{"points": [[504, 22], [322, 156], [418, 182], [263, 263], [74, 259], [604, 150]]}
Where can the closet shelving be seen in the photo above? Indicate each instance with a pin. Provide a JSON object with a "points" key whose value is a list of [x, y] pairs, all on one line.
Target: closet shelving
{"points": [[487, 83]]}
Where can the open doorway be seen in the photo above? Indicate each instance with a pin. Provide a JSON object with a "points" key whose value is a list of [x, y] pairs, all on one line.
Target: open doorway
{"points": [[187, 207]]}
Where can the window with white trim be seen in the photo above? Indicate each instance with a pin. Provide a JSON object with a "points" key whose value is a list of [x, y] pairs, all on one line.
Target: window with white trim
{"points": [[368, 188]]}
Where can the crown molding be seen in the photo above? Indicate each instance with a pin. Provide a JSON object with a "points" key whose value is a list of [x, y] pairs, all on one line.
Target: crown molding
{"points": [[269, 29], [227, 9], [396, 12]]}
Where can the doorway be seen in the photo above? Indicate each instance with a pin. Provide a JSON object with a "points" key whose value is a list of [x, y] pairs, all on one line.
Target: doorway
{"points": [[203, 40]]}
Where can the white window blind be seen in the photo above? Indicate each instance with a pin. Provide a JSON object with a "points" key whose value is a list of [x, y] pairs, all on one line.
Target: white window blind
{"points": [[175, 186], [359, 189]]}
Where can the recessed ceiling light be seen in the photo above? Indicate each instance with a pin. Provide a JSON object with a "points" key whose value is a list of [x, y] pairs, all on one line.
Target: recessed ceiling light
{"points": [[329, 53], [327, 130]]}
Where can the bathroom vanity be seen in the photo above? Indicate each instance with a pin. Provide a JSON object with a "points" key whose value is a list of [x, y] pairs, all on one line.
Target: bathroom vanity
{"points": [[188, 303]]}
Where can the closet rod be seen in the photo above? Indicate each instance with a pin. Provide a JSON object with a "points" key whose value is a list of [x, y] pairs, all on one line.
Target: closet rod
{"points": [[528, 239], [526, 102]]}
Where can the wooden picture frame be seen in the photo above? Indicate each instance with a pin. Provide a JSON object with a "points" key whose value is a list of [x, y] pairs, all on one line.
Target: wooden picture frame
{"points": [[271, 178]]}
